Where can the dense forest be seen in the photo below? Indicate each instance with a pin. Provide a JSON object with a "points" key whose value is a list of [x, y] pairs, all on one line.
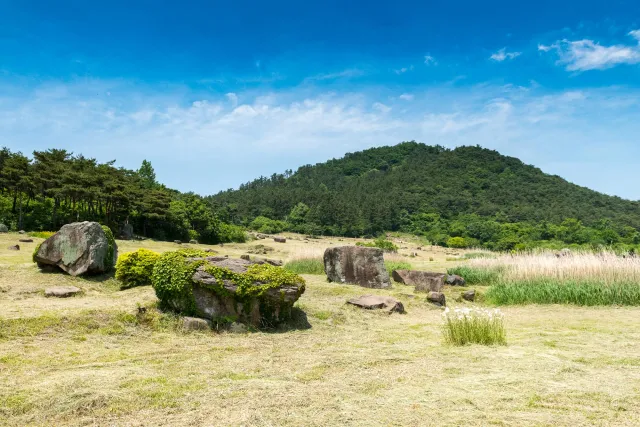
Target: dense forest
{"points": [[468, 196], [56, 187]]}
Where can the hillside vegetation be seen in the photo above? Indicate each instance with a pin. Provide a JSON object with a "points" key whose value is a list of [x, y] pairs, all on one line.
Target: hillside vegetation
{"points": [[468, 196]]}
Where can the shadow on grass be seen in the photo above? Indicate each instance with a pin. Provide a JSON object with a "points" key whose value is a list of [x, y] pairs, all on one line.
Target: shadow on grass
{"points": [[298, 322]]}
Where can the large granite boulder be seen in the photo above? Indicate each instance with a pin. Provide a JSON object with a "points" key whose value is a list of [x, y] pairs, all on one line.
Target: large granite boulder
{"points": [[424, 281], [80, 248], [356, 265], [226, 290]]}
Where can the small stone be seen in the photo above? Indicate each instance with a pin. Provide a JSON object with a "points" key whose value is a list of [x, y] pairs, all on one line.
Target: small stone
{"points": [[469, 295], [193, 242], [237, 328], [437, 298], [208, 250], [14, 248], [26, 240], [454, 280], [62, 291], [280, 240], [21, 232], [245, 257], [177, 242], [377, 302], [196, 324]]}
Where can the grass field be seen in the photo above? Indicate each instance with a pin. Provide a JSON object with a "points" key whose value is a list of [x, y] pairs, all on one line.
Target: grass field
{"points": [[90, 360]]}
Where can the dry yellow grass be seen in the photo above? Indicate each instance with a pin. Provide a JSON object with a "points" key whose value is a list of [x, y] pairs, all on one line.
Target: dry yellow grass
{"points": [[83, 361], [605, 267]]}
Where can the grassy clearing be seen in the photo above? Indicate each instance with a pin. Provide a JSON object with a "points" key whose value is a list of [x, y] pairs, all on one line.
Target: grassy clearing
{"points": [[92, 360], [305, 266], [41, 234], [473, 275], [552, 291], [463, 326]]}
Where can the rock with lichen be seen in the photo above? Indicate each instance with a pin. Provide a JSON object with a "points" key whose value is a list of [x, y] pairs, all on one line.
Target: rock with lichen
{"points": [[79, 248], [226, 290]]}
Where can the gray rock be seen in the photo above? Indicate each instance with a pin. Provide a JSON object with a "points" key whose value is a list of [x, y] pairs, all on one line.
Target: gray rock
{"points": [[377, 302], [455, 280], [218, 299], [22, 232], [4, 228], [25, 240], [177, 242], [280, 240], [14, 248], [196, 324], [356, 265], [245, 257], [62, 291], [424, 281], [79, 248], [193, 242], [469, 295], [126, 232], [437, 298]]}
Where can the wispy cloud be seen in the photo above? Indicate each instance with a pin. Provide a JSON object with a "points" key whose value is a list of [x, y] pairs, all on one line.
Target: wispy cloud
{"points": [[280, 130], [584, 55], [403, 70], [503, 55], [430, 60], [345, 74]]}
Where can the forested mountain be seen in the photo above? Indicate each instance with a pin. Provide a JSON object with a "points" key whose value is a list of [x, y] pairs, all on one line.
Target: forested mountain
{"points": [[468, 192], [56, 187]]}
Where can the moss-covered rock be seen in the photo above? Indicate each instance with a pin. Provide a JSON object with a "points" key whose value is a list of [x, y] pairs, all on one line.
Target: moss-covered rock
{"points": [[226, 290], [79, 248]]}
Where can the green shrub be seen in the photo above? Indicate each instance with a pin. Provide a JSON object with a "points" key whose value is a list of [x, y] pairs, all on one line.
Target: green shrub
{"points": [[381, 243], [306, 266], [41, 234], [485, 276], [464, 326], [397, 265], [553, 291], [263, 224], [232, 233], [136, 268], [457, 242], [109, 260]]}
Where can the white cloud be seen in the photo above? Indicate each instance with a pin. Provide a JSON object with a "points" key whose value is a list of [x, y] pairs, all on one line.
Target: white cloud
{"points": [[584, 55], [345, 74], [502, 55], [403, 70], [233, 98], [430, 60], [209, 144]]}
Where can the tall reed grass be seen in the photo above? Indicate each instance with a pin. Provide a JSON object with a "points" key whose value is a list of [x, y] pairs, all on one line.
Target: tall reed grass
{"points": [[581, 278], [463, 326]]}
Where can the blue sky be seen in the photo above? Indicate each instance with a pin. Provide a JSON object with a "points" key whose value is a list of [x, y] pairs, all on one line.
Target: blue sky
{"points": [[215, 94]]}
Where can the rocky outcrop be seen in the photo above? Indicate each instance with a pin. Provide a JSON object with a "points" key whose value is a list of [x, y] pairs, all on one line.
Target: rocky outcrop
{"points": [[356, 265], [226, 290], [377, 302], [424, 281], [80, 248]]}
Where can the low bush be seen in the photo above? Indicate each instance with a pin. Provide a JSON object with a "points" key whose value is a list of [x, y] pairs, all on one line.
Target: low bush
{"points": [[553, 291], [41, 234], [381, 243], [305, 266], [464, 326], [136, 268]]}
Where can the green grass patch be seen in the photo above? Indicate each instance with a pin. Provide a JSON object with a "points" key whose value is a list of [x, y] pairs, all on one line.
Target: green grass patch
{"points": [[397, 265], [476, 255], [485, 276], [464, 326], [41, 234], [552, 291], [305, 266]]}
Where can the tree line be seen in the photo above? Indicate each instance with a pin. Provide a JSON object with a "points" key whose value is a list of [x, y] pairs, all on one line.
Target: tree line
{"points": [[56, 187]]}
